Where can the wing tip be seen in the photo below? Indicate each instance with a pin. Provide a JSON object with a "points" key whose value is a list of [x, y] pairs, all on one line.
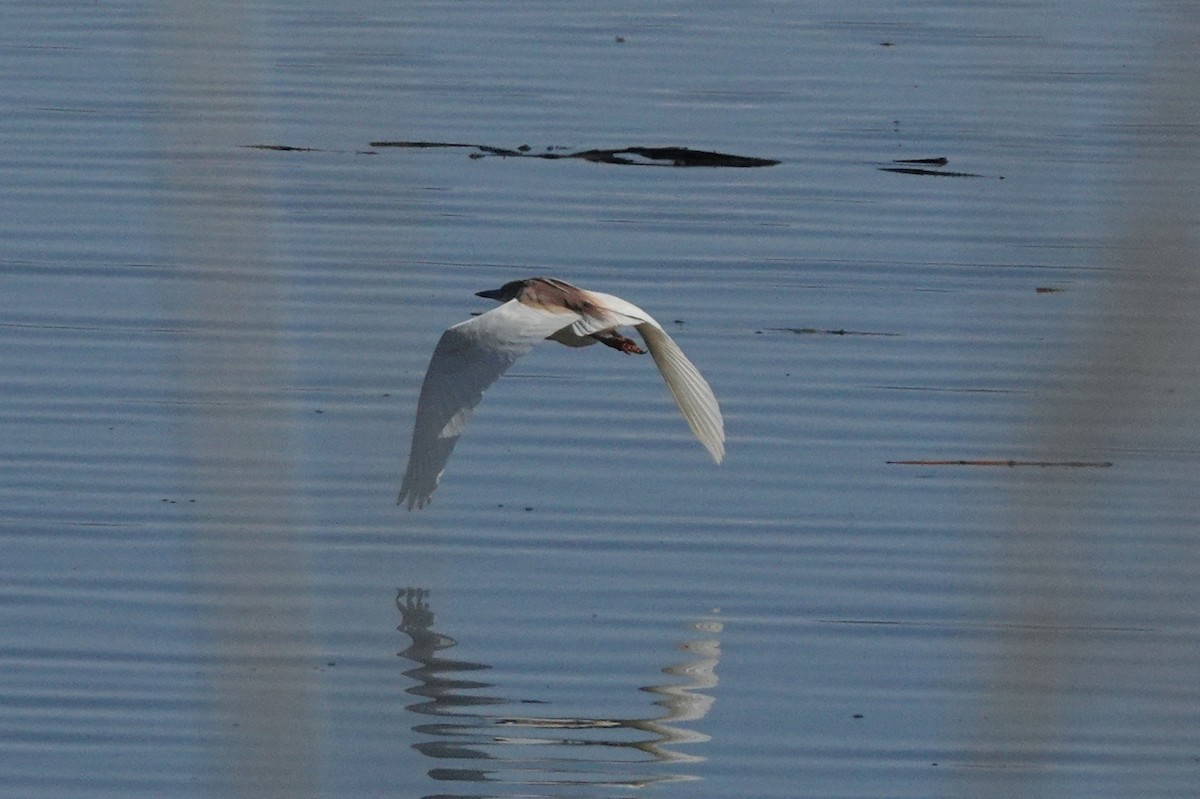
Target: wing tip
{"points": [[715, 446], [413, 499], [691, 391]]}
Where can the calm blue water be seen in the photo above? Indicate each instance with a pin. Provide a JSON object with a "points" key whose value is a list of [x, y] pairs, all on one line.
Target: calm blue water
{"points": [[212, 352]]}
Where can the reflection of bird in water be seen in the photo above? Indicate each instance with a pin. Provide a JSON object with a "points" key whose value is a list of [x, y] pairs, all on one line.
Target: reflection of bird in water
{"points": [[485, 747], [473, 354], [685, 702]]}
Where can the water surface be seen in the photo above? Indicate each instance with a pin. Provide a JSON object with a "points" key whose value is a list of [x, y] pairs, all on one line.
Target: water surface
{"points": [[218, 300]]}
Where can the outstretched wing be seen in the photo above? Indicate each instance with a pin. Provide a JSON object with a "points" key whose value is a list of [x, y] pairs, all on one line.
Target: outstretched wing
{"points": [[690, 389], [610, 312], [469, 357]]}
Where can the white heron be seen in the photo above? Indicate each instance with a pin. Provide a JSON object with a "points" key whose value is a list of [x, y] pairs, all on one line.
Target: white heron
{"points": [[472, 355]]}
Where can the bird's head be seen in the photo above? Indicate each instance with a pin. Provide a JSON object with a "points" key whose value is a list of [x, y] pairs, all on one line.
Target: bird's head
{"points": [[505, 293]]}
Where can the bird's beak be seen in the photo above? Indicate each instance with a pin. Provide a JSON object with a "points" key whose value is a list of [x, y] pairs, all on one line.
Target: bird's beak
{"points": [[491, 294]]}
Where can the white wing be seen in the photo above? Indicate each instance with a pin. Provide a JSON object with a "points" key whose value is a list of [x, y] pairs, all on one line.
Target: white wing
{"points": [[616, 312], [469, 357], [690, 389]]}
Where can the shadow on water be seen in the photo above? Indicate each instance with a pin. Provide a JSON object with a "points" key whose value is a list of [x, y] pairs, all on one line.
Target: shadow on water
{"points": [[573, 754]]}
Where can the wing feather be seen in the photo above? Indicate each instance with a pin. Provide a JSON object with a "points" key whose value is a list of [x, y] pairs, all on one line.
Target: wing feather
{"points": [[691, 391], [469, 358], [613, 312]]}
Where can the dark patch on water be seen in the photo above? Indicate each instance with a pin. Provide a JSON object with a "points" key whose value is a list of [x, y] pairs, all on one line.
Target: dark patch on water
{"points": [[928, 166], [628, 156]]}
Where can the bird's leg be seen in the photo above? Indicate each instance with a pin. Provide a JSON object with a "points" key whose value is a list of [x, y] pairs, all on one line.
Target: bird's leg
{"points": [[615, 340]]}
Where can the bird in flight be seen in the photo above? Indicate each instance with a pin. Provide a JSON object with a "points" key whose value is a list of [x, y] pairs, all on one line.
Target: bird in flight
{"points": [[472, 355]]}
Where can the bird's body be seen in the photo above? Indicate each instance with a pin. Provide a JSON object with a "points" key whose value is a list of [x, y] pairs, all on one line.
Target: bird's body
{"points": [[472, 355]]}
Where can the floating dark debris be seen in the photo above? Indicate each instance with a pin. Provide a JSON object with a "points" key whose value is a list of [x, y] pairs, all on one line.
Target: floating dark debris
{"points": [[926, 166], [431, 145], [948, 390], [816, 331], [1008, 463], [908, 170], [669, 156], [628, 156], [281, 148]]}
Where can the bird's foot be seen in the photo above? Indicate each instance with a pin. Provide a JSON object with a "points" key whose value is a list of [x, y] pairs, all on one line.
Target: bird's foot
{"points": [[618, 342]]}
